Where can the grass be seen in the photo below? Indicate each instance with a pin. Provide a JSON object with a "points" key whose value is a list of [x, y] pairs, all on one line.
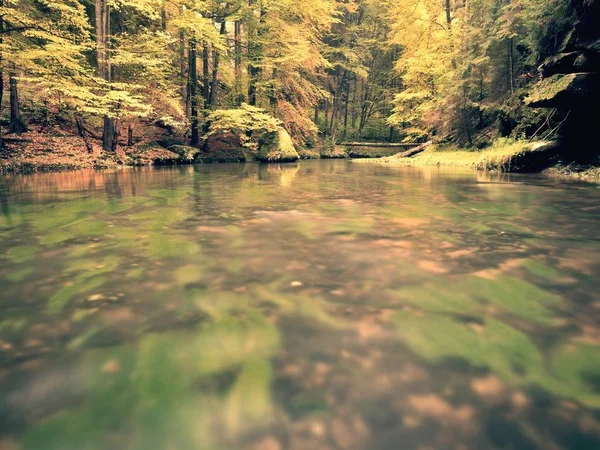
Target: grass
{"points": [[504, 155]]}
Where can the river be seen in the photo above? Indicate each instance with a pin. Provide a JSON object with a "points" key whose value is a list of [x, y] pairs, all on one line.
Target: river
{"points": [[321, 305]]}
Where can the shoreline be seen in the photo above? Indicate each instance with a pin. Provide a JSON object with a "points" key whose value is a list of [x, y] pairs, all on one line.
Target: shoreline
{"points": [[45, 153], [542, 157]]}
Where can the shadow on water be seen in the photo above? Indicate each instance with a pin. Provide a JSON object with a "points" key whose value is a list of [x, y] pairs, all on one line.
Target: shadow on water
{"points": [[320, 305]]}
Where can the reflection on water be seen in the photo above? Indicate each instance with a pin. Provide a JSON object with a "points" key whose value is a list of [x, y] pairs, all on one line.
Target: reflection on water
{"points": [[324, 305]]}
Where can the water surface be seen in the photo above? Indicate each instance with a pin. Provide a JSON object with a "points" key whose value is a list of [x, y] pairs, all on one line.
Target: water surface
{"points": [[325, 305]]}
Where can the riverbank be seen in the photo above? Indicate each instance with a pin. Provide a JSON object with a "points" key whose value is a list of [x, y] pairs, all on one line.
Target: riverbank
{"points": [[503, 156], [575, 171], [41, 152], [58, 151]]}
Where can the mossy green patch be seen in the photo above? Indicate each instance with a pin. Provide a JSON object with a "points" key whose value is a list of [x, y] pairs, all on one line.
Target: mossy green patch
{"points": [[504, 155]]}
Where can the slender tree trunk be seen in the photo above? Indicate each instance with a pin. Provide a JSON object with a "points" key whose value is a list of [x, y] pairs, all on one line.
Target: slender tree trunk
{"points": [[99, 38], [192, 87], [212, 100], [272, 97], [163, 18], [511, 70], [1, 71], [16, 125], [238, 62], [449, 14], [333, 115], [205, 75], [103, 67], [354, 105], [346, 108], [130, 135], [254, 57], [182, 78], [317, 113], [82, 135]]}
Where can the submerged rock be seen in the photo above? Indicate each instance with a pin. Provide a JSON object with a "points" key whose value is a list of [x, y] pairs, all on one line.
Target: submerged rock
{"points": [[277, 147]]}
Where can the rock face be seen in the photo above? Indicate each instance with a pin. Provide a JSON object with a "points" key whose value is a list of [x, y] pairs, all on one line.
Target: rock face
{"points": [[572, 81], [223, 148], [277, 147]]}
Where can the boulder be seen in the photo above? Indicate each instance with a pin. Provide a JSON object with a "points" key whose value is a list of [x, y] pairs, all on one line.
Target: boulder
{"points": [[277, 146], [223, 148], [150, 154], [307, 153], [331, 151]]}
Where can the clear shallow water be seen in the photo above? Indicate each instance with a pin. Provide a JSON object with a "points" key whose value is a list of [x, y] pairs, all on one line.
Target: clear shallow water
{"points": [[326, 305]]}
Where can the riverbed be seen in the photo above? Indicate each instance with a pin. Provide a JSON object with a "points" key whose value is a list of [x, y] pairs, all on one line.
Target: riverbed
{"points": [[319, 305]]}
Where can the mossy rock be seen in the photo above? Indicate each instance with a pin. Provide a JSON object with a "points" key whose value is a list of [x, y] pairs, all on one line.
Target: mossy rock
{"points": [[149, 154], [333, 152], [223, 148], [306, 153], [232, 155], [185, 152], [277, 147]]}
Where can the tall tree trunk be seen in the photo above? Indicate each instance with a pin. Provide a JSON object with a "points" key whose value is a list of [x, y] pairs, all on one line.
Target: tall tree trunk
{"points": [[192, 88], [334, 108], [317, 113], [254, 57], [82, 135], [239, 96], [212, 99], [163, 18], [103, 68], [346, 108], [100, 38], [16, 125], [354, 105], [511, 69], [205, 75], [1, 71], [272, 97], [130, 135], [182, 79]]}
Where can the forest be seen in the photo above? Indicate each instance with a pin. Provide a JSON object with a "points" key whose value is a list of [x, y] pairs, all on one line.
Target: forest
{"points": [[299, 225], [127, 79]]}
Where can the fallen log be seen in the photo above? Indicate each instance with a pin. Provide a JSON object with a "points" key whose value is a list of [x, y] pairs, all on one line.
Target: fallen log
{"points": [[377, 144], [414, 151]]}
